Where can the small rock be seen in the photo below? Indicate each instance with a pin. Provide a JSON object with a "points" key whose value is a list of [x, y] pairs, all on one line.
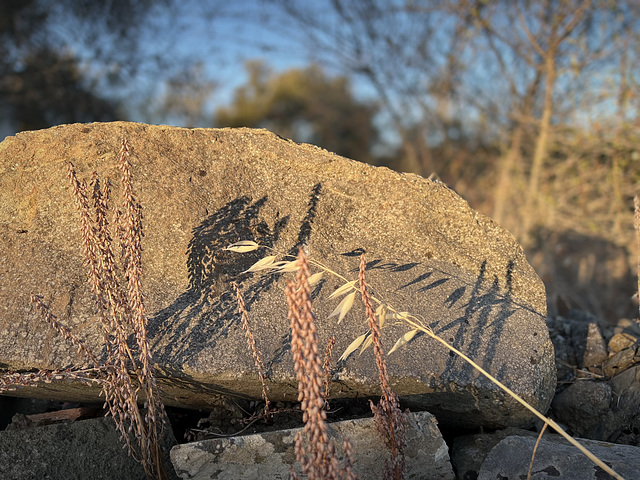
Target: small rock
{"points": [[557, 458], [621, 361], [270, 454], [469, 451], [625, 404], [600, 410], [627, 325], [582, 405], [620, 341], [595, 351]]}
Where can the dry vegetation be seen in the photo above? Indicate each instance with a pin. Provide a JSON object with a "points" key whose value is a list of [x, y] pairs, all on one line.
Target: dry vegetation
{"points": [[389, 420], [124, 368]]}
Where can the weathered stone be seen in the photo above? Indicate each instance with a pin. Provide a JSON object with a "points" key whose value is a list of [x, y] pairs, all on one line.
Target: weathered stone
{"points": [[428, 253], [620, 341], [81, 449], [581, 407], [468, 452], [557, 458], [621, 361], [595, 352], [271, 454], [600, 410]]}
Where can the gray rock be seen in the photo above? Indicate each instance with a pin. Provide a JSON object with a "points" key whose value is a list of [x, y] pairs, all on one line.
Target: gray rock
{"points": [[429, 254], [581, 407], [595, 353], [65, 451], [600, 410], [578, 343], [468, 452], [556, 458], [270, 455]]}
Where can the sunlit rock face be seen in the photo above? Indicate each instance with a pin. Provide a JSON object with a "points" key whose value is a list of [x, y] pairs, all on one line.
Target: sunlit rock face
{"points": [[428, 253]]}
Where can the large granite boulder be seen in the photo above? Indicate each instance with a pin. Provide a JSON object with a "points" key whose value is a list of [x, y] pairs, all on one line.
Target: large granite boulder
{"points": [[428, 253]]}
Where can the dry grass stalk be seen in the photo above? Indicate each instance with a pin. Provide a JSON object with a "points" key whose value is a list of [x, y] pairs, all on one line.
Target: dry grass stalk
{"points": [[318, 457], [636, 222], [326, 367], [347, 469], [535, 449], [10, 381], [389, 420], [132, 247], [126, 372], [251, 343], [63, 330]]}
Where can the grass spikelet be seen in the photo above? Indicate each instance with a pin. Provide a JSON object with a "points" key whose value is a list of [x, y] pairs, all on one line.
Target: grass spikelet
{"points": [[244, 246], [315, 278], [262, 264], [404, 339], [317, 458], [343, 307], [347, 287], [353, 346]]}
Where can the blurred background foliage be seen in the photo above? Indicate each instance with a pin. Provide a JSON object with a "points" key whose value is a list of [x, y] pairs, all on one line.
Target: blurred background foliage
{"points": [[528, 109]]}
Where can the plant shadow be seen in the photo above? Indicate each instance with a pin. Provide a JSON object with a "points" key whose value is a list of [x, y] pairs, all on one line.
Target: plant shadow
{"points": [[203, 314]]}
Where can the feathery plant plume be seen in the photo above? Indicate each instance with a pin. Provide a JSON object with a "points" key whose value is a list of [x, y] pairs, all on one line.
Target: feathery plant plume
{"points": [[251, 343], [317, 462], [126, 370], [389, 420], [318, 457]]}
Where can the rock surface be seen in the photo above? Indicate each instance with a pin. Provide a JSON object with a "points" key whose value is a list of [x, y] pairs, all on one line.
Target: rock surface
{"points": [[556, 458], [468, 452], [429, 254], [270, 455], [601, 410], [78, 450]]}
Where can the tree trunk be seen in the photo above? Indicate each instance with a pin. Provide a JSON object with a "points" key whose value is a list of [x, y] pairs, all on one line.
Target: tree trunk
{"points": [[532, 202], [504, 187]]}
